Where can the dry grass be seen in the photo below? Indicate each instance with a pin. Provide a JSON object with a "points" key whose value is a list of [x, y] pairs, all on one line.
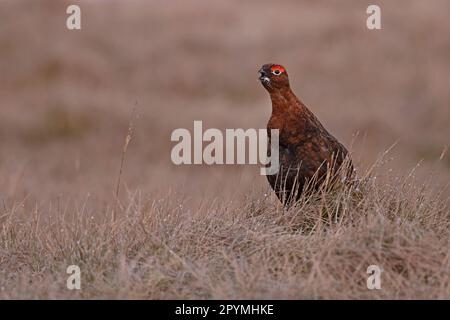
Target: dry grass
{"points": [[162, 249], [218, 232]]}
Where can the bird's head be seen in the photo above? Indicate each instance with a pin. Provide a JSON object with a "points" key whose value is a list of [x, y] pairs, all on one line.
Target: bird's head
{"points": [[273, 77]]}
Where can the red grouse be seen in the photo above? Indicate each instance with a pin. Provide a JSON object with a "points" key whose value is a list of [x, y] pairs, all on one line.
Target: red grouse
{"points": [[308, 153]]}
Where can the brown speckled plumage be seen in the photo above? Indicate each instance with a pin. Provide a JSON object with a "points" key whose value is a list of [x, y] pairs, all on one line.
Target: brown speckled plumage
{"points": [[307, 149]]}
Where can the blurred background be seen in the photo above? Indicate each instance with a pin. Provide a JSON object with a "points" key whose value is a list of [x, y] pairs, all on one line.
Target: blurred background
{"points": [[66, 97]]}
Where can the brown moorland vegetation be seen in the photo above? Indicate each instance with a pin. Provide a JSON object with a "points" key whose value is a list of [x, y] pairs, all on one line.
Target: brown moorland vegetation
{"points": [[66, 99]]}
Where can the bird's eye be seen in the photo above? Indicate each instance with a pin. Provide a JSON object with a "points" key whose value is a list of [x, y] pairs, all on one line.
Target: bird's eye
{"points": [[276, 72]]}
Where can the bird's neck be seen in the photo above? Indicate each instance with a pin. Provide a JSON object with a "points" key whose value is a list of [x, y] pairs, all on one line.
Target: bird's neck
{"points": [[284, 101]]}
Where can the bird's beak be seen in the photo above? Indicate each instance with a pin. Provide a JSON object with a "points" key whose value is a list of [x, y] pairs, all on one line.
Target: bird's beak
{"points": [[263, 76]]}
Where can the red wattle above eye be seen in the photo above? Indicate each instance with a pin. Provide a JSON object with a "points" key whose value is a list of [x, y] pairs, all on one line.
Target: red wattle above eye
{"points": [[277, 68]]}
